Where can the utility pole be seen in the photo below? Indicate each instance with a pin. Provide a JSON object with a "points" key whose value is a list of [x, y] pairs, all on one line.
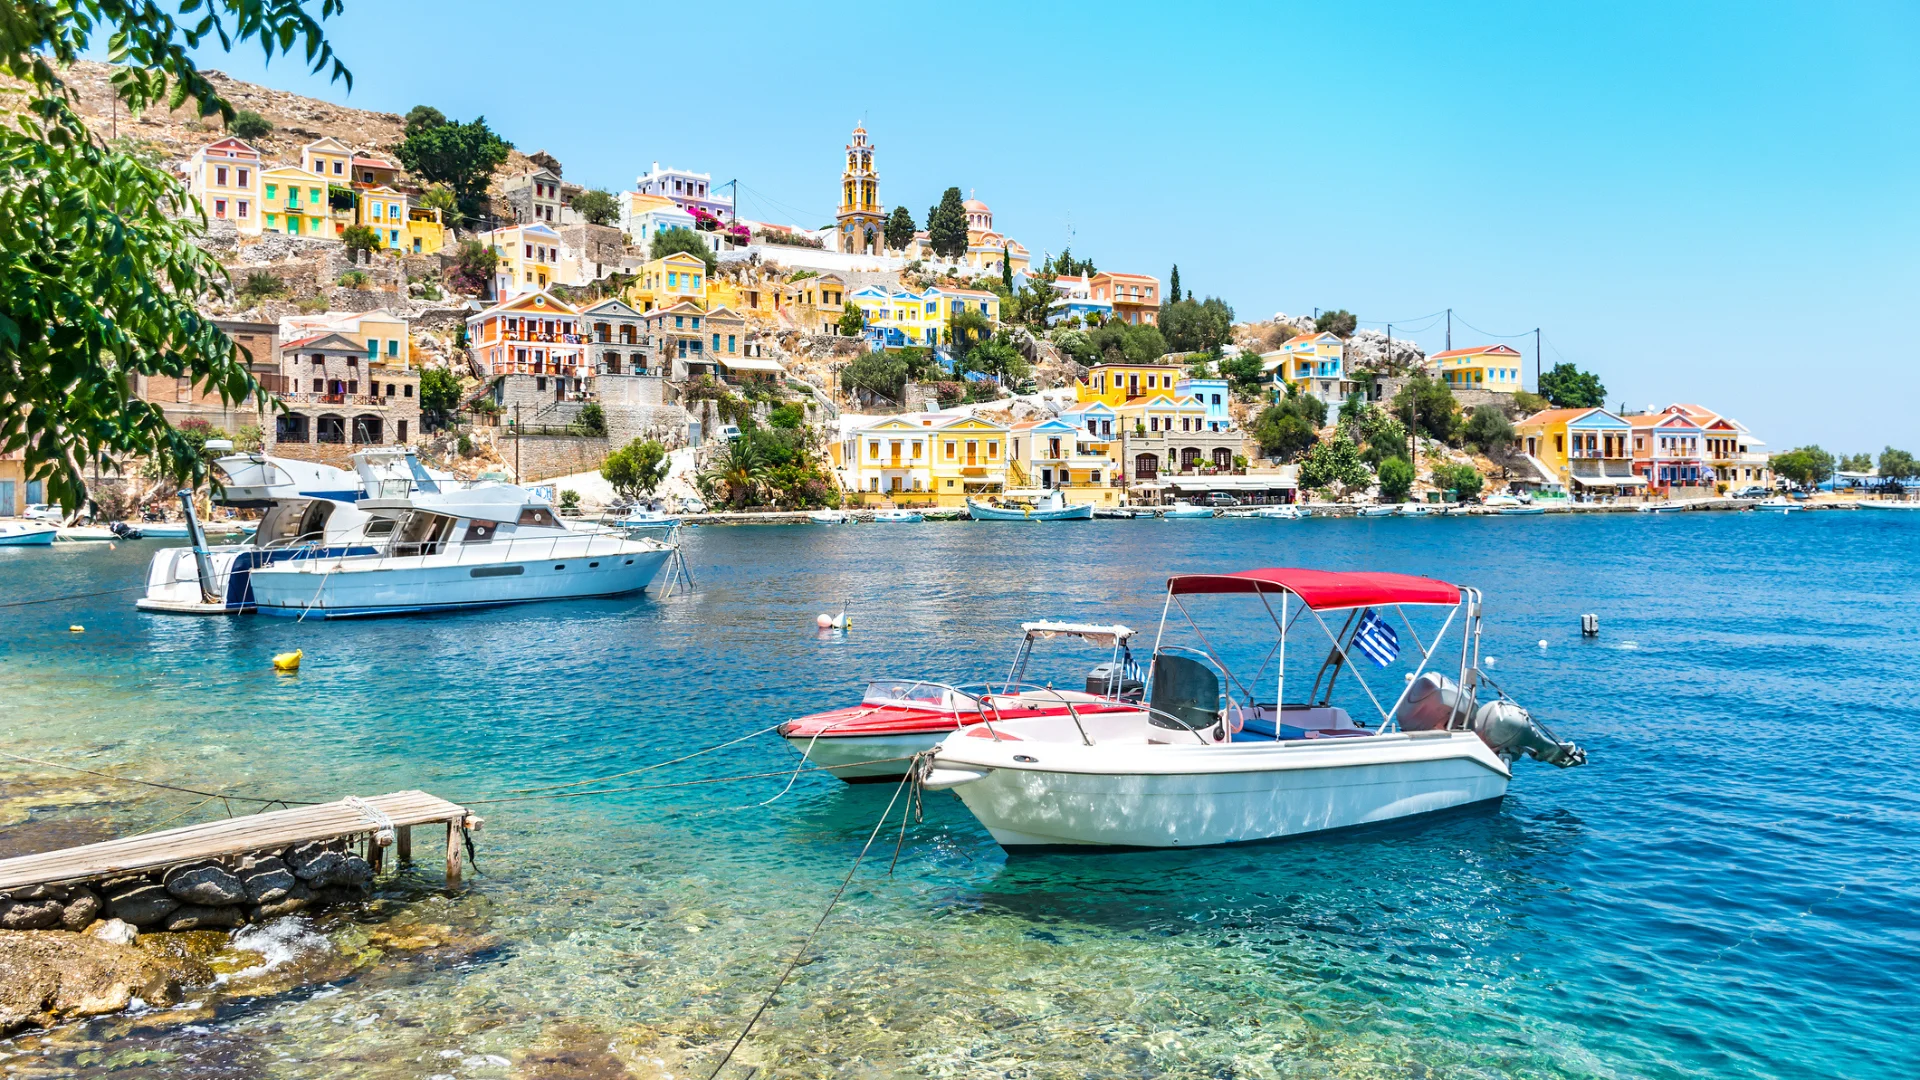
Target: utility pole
{"points": [[516, 442], [1536, 359], [1449, 329]]}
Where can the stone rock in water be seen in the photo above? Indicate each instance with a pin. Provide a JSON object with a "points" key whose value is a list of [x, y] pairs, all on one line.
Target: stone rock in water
{"points": [[267, 880], [354, 872], [47, 977], [296, 899], [83, 907], [31, 915], [115, 932], [197, 917], [142, 905], [210, 885], [315, 867]]}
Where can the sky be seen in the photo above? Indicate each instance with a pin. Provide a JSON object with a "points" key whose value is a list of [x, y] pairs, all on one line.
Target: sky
{"points": [[1680, 196]]}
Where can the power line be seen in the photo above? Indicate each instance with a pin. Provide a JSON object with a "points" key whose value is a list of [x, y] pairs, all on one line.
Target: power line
{"points": [[1489, 333]]}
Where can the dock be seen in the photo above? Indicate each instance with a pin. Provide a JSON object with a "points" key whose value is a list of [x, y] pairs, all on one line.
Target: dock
{"points": [[400, 810]]}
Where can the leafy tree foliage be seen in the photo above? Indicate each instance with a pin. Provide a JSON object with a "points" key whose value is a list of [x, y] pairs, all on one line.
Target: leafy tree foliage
{"points": [[997, 357], [1120, 342], [1488, 429], [1077, 344], [591, 421], [1341, 323], [1334, 464], [636, 468], [102, 279], [1065, 265], [1428, 403], [422, 117], [879, 372], [1245, 373], [852, 321], [900, 228], [1897, 465], [461, 156], [1396, 479], [473, 267], [1374, 430], [1201, 327], [966, 330], [597, 207], [787, 416], [360, 241], [1290, 425], [248, 124], [1529, 402], [1464, 481], [947, 226], [667, 241], [1567, 387], [261, 285], [1805, 465], [1173, 287], [1855, 462], [439, 391]]}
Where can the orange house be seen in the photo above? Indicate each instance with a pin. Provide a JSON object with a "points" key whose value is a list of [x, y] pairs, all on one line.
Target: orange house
{"points": [[1135, 297]]}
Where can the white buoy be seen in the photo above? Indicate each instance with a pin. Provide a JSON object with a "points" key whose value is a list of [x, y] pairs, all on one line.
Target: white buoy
{"points": [[1543, 643], [824, 621], [1491, 661]]}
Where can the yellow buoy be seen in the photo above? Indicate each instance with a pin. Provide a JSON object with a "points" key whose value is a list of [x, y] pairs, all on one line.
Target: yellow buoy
{"points": [[288, 661], [76, 628]]}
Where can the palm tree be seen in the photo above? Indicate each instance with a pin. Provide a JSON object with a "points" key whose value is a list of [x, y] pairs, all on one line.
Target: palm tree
{"points": [[739, 467]]}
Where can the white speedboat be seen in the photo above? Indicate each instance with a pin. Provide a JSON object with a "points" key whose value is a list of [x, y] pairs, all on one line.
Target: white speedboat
{"points": [[897, 517], [1660, 508], [19, 532], [1411, 509], [480, 546], [1275, 512], [830, 517], [85, 534], [1116, 513], [1378, 510], [1181, 508], [1207, 760], [645, 519], [1521, 510], [1779, 506]]}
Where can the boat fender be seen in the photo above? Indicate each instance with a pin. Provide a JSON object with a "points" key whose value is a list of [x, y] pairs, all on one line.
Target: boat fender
{"points": [[288, 661], [76, 628]]}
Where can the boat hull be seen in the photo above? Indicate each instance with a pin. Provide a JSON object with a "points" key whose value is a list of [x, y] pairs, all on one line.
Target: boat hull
{"points": [[1076, 512], [323, 589], [1308, 789], [28, 538], [865, 759]]}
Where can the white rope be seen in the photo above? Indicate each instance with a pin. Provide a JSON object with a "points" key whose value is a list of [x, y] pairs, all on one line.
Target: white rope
{"points": [[383, 825]]}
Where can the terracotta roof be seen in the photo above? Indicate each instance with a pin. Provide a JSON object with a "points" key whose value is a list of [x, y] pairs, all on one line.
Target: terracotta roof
{"points": [[1478, 350], [1652, 420], [1553, 416]]}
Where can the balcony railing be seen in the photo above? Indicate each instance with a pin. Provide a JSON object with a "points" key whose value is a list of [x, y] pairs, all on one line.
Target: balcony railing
{"points": [[309, 398], [558, 339]]}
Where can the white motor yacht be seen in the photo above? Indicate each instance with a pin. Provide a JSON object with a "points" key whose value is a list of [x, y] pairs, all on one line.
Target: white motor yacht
{"points": [[1197, 765], [479, 546]]}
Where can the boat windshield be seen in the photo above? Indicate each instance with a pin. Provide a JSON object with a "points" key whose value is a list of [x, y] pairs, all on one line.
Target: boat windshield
{"points": [[914, 694]]}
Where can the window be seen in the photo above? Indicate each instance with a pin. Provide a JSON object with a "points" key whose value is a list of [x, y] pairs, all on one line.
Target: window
{"points": [[672, 278], [220, 176], [406, 390], [393, 346], [716, 343], [1559, 444], [730, 346], [242, 205], [219, 208], [993, 450], [338, 168], [274, 189], [242, 173], [952, 450], [319, 386]]}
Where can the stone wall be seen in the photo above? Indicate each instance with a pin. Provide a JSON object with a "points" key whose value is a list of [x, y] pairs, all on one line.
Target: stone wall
{"points": [[666, 424], [541, 457], [1386, 386]]}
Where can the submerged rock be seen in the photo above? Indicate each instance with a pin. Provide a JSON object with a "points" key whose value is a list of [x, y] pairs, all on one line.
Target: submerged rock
{"points": [[200, 917], [143, 904], [208, 884], [48, 976]]}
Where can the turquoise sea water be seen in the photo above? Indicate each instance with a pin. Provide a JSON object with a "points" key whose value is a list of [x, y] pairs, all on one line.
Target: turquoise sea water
{"points": [[1728, 889]]}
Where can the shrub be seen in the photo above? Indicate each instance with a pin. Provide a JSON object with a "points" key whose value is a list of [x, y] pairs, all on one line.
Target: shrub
{"points": [[1429, 403], [1396, 479], [1529, 402], [1464, 480], [250, 125], [1339, 322], [592, 420], [787, 417], [569, 500], [260, 285], [597, 207], [1488, 429], [473, 267], [353, 279]]}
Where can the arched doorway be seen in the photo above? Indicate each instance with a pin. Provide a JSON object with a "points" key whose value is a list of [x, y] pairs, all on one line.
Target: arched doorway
{"points": [[1222, 458], [1189, 459], [1146, 466], [366, 430]]}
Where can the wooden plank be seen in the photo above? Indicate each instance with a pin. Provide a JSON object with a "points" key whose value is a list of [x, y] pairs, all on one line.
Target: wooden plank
{"points": [[233, 836], [453, 851]]}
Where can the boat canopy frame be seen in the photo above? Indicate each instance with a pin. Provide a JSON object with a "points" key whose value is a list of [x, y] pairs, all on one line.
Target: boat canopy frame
{"points": [[1320, 591]]}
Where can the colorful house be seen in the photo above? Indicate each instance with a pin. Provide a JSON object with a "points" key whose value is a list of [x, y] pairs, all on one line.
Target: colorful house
{"points": [[328, 157], [380, 335], [692, 192], [531, 333], [1075, 303], [224, 177], [1117, 384], [1496, 368], [1589, 451], [952, 301], [1135, 298], [293, 201], [1315, 362], [679, 332], [383, 210], [643, 217], [529, 259], [1058, 454], [669, 280], [898, 317], [426, 230], [970, 458], [1214, 394], [370, 171], [1668, 451], [889, 460], [1736, 457]]}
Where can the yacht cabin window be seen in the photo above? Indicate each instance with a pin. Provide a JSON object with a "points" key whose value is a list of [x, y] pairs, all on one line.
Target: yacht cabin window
{"points": [[538, 515]]}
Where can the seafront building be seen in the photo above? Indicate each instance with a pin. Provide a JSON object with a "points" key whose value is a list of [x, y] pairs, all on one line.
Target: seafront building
{"points": [[1162, 431], [1058, 454], [931, 457], [1732, 451], [1589, 451], [1668, 452], [1314, 362], [1495, 368]]}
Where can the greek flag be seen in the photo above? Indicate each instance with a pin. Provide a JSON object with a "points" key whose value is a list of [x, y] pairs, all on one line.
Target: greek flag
{"points": [[1375, 638]]}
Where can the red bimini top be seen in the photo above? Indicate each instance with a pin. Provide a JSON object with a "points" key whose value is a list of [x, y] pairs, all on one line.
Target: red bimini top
{"points": [[1323, 590]]}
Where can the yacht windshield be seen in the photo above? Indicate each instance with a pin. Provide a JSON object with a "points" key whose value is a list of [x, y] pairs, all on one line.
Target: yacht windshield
{"points": [[913, 694]]}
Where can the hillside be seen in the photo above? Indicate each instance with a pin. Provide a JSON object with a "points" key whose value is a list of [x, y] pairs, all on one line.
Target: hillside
{"points": [[297, 119]]}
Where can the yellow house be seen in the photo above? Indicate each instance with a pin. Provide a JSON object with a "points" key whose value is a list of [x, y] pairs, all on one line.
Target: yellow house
{"points": [[328, 157], [969, 458], [383, 335], [426, 230], [529, 259], [670, 280], [293, 201], [1117, 384], [1161, 413], [224, 177], [951, 301], [1315, 362], [1057, 455], [383, 210], [1499, 368], [960, 455]]}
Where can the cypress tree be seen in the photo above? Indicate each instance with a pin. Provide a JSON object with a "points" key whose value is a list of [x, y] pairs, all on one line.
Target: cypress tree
{"points": [[1172, 295], [947, 226]]}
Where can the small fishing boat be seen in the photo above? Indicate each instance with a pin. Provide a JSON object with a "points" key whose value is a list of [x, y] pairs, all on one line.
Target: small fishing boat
{"points": [[1050, 506], [1181, 508], [897, 517], [23, 533], [1411, 509], [830, 517], [1660, 508], [1117, 513], [1521, 511], [1871, 505], [646, 519], [1205, 759], [1378, 510], [1280, 513], [1779, 506], [898, 718], [85, 534]]}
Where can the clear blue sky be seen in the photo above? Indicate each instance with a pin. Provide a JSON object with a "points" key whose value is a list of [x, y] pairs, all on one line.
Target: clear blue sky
{"points": [[1709, 202]]}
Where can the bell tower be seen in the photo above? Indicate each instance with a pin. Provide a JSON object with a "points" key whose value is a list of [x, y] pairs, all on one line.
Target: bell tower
{"points": [[860, 217]]}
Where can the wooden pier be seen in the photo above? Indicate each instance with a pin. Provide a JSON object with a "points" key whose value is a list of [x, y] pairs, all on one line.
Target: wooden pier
{"points": [[253, 832]]}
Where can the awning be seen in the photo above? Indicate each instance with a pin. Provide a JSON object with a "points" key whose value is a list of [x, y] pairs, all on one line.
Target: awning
{"points": [[1093, 633], [753, 363], [1273, 481], [1323, 590], [1609, 481]]}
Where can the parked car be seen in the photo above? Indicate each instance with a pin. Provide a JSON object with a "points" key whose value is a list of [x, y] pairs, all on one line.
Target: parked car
{"points": [[1219, 499], [1752, 491], [44, 512]]}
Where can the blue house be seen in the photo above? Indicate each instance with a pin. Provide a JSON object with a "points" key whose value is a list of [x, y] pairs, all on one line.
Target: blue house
{"points": [[1214, 395]]}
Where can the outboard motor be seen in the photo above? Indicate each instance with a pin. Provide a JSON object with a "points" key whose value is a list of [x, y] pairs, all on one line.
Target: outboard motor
{"points": [[124, 531], [1511, 731]]}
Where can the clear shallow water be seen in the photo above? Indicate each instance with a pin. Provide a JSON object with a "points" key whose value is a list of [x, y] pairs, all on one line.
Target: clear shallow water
{"points": [[1728, 889]]}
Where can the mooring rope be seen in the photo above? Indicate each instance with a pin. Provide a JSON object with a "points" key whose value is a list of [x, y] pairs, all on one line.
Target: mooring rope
{"points": [[807, 944], [75, 596], [644, 768], [679, 784], [158, 784]]}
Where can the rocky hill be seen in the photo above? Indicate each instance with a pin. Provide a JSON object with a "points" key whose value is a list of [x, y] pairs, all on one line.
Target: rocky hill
{"points": [[297, 120]]}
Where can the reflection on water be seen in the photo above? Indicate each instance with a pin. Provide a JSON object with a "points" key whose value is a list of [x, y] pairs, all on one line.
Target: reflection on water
{"points": [[1697, 902]]}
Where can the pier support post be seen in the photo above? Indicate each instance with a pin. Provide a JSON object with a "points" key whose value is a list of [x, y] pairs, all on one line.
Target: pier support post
{"points": [[453, 852], [375, 853], [404, 837]]}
